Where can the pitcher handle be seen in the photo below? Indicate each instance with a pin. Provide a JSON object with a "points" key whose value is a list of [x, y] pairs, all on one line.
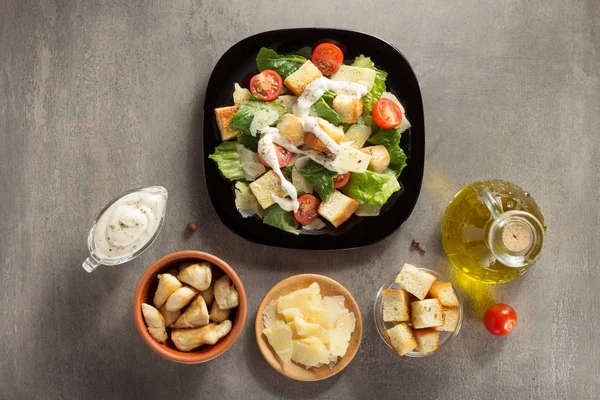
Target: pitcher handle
{"points": [[490, 201], [91, 263]]}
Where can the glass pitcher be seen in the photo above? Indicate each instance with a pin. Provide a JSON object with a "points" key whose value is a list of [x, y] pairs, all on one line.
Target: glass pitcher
{"points": [[493, 231]]}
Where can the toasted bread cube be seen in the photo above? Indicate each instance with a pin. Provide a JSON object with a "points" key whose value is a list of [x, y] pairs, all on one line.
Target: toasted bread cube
{"points": [[428, 340], [224, 115], [334, 132], [338, 208], [426, 313], [415, 281], [451, 316], [298, 81], [349, 107], [396, 305], [358, 135], [290, 127], [401, 339], [444, 293], [348, 73], [265, 186], [240, 95], [380, 157]]}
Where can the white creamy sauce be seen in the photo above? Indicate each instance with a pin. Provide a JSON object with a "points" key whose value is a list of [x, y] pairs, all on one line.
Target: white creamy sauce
{"points": [[128, 224], [312, 93]]}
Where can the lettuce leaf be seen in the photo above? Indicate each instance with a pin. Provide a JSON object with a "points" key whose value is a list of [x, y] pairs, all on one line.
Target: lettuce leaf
{"points": [[245, 115], [378, 87], [371, 187], [278, 218], [320, 178], [391, 140], [325, 111], [229, 161], [284, 64], [246, 139]]}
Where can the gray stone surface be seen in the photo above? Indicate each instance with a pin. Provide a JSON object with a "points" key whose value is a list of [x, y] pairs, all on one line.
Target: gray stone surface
{"points": [[99, 97]]}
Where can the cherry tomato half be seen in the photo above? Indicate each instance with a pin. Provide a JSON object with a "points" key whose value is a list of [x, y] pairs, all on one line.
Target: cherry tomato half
{"points": [[284, 156], [328, 58], [500, 319], [341, 180], [387, 114], [267, 85], [308, 210]]}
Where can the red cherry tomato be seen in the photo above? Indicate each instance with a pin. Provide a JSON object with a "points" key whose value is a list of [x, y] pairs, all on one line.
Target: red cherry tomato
{"points": [[387, 114], [500, 319], [267, 85], [328, 58], [308, 210], [284, 156], [341, 180]]}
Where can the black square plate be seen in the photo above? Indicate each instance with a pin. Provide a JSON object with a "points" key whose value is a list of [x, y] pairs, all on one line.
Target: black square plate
{"points": [[238, 65]]}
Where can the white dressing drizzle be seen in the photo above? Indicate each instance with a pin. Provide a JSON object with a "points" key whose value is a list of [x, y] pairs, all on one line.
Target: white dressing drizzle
{"points": [[270, 136]]}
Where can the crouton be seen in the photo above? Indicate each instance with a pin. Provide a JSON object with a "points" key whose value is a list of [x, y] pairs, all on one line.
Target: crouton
{"points": [[451, 316], [380, 157], [428, 340], [415, 281], [426, 313], [347, 73], [224, 115], [240, 95], [348, 107], [401, 339], [298, 81], [265, 186], [396, 305], [444, 293], [334, 132], [338, 208], [290, 127], [358, 135]]}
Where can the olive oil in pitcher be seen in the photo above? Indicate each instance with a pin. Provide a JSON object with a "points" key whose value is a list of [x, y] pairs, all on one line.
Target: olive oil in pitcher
{"points": [[493, 231]]}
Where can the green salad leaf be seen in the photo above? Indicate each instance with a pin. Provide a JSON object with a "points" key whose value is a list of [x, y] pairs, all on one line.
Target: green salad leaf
{"points": [[391, 140], [320, 178], [325, 111], [243, 117], [284, 64], [246, 139], [228, 160], [372, 187], [378, 87], [277, 217]]}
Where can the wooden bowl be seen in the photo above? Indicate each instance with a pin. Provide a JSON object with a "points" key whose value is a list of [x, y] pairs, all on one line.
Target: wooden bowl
{"points": [[144, 293], [329, 287]]}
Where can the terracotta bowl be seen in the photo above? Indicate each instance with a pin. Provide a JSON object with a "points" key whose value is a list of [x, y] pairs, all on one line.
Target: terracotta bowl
{"points": [[329, 287], [144, 293]]}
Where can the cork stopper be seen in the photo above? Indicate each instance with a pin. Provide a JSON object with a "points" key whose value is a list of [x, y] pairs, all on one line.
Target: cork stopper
{"points": [[516, 237]]}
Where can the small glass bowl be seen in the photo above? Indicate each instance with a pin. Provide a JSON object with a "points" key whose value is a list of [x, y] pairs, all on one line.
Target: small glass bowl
{"points": [[445, 337]]}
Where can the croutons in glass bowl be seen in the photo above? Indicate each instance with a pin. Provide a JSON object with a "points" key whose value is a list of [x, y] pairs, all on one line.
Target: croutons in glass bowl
{"points": [[190, 307], [417, 312]]}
